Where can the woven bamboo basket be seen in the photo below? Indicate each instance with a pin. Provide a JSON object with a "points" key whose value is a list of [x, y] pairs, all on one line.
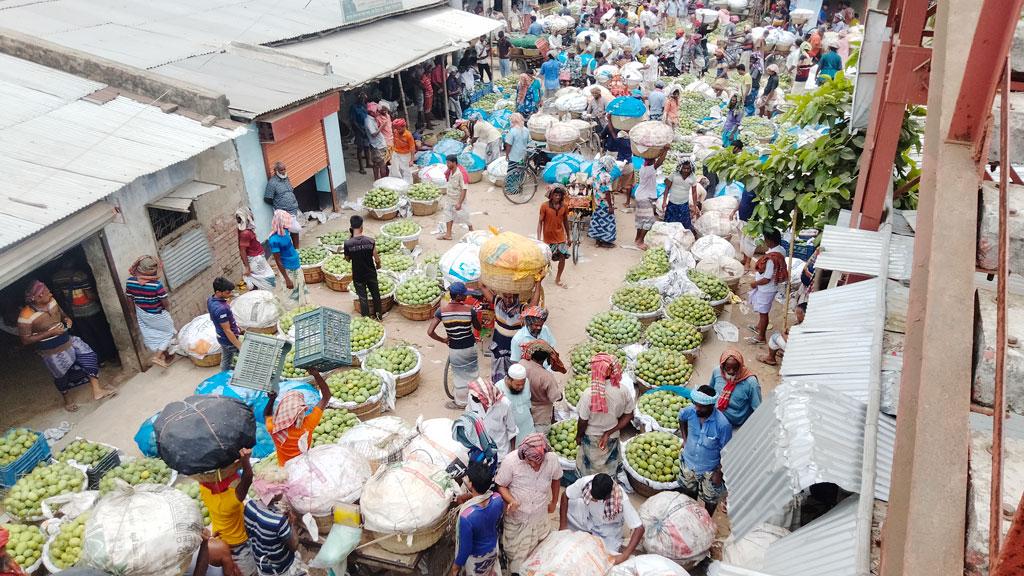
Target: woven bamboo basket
{"points": [[383, 213], [337, 283], [538, 135], [271, 330], [420, 208], [719, 305], [625, 123], [407, 384], [218, 475], [425, 538], [208, 361], [313, 274], [420, 311], [734, 284], [475, 177], [368, 411], [386, 303], [503, 280], [324, 523], [641, 488], [564, 147]]}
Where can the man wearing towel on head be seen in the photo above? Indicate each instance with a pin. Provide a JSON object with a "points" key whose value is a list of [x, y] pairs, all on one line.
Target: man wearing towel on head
{"points": [[705, 431]]}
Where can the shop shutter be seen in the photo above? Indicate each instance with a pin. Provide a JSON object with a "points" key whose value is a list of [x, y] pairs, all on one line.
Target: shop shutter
{"points": [[186, 256], [304, 153]]}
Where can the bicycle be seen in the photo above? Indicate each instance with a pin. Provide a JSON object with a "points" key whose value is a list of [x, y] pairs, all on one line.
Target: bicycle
{"points": [[536, 158], [581, 206]]}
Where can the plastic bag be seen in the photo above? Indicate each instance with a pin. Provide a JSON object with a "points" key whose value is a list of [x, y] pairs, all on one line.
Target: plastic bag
{"points": [[406, 497], [512, 254], [672, 236], [204, 433], [712, 246], [568, 553], [334, 553], [725, 268], [323, 476], [652, 134], [497, 170], [575, 102], [391, 183], [561, 134], [648, 565], [713, 223], [198, 338], [379, 440], [144, 530], [676, 526], [540, 122], [145, 437], [434, 174], [724, 204], [256, 309], [461, 263], [434, 444]]}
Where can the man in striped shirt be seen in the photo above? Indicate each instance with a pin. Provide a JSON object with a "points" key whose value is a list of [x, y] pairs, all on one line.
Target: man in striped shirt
{"points": [[271, 538], [459, 319]]}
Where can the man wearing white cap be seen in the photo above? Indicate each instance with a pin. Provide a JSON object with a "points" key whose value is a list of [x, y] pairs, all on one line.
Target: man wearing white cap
{"points": [[705, 432], [517, 389]]}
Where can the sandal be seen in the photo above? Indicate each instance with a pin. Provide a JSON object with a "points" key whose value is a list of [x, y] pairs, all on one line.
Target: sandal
{"points": [[451, 405], [753, 340]]}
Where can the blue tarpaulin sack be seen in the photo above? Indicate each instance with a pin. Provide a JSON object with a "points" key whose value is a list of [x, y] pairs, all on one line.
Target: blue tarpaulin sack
{"points": [[501, 119], [145, 438], [627, 107], [469, 112], [429, 158], [472, 162], [449, 146]]}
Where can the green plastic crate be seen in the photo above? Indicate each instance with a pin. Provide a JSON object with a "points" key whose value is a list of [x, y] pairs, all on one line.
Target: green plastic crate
{"points": [[260, 362], [322, 340]]}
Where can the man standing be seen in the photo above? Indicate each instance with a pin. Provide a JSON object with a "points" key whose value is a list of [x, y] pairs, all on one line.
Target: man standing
{"points": [[491, 405], [656, 99], [534, 317], [361, 251], [595, 504], [379, 155], [224, 321], [504, 48], [544, 387], [454, 85], [705, 432], [769, 273], [483, 54], [459, 321], [553, 229], [604, 409], [287, 258], [744, 83], [453, 204], [515, 387], [830, 64], [528, 482], [476, 528], [227, 514], [280, 194], [549, 71]]}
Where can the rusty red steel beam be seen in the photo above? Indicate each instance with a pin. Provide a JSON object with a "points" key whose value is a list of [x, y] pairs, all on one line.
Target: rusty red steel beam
{"points": [[1011, 558], [992, 37]]}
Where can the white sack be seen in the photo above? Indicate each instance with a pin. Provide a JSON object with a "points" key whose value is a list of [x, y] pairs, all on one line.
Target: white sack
{"points": [[676, 526], [324, 476]]}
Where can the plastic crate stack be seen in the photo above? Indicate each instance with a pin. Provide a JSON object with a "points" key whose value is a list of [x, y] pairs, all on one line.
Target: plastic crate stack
{"points": [[260, 362], [38, 452], [322, 340]]}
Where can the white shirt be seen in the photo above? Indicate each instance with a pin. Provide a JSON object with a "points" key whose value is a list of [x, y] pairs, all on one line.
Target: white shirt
{"points": [[634, 43], [650, 69], [647, 188], [520, 409], [485, 132], [606, 48], [682, 188], [649, 19], [589, 517], [769, 272], [499, 423]]}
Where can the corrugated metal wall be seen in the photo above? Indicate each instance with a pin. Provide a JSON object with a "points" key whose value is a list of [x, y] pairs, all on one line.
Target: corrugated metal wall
{"points": [[185, 257], [304, 153]]}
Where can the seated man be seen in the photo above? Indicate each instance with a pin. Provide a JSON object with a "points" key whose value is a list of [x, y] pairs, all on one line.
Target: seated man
{"points": [[595, 504], [777, 341]]}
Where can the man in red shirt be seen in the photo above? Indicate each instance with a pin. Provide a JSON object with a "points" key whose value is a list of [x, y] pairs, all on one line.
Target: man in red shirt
{"points": [[553, 229]]}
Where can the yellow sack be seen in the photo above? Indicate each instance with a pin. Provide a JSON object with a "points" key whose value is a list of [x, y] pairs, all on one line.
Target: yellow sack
{"points": [[511, 263]]}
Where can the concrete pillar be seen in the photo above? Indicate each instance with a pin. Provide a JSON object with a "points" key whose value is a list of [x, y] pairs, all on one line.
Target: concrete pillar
{"points": [[924, 528], [109, 289]]}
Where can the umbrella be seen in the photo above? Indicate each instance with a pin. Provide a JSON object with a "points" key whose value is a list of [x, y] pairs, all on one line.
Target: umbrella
{"points": [[501, 119], [558, 173], [449, 146], [429, 158], [627, 106], [594, 168]]}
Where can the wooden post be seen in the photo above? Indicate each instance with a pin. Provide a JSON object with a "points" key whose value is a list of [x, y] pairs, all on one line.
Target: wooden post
{"points": [[447, 115], [789, 273], [405, 107]]}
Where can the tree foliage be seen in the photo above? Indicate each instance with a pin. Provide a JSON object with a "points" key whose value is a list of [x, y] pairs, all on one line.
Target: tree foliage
{"points": [[818, 178]]}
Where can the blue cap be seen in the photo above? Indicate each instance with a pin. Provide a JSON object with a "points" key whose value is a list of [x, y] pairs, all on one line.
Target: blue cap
{"points": [[457, 289]]}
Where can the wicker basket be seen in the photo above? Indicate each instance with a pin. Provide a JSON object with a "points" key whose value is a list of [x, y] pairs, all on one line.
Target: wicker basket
{"points": [[367, 411], [502, 280], [531, 52], [419, 312], [269, 330], [648, 153], [386, 303], [641, 488], [208, 361], [425, 538], [719, 305], [734, 284], [383, 213], [218, 475], [475, 177], [538, 136], [337, 283], [420, 208], [407, 384], [566, 147], [313, 274], [625, 123]]}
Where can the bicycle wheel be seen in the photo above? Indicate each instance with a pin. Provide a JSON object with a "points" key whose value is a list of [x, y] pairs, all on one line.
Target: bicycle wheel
{"points": [[576, 236], [527, 189], [448, 380]]}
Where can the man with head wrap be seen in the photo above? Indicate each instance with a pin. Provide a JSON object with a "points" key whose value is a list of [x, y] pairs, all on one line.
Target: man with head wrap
{"points": [[271, 537], [540, 361], [596, 504], [705, 431], [489, 403], [145, 289], [287, 258], [528, 482], [604, 409]]}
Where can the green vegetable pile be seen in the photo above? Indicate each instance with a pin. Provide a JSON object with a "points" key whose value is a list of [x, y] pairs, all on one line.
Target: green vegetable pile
{"points": [[692, 309], [394, 359], [312, 255], [386, 284], [396, 262], [401, 228], [663, 406], [655, 456], [454, 134], [192, 490], [653, 264], [487, 102], [562, 438], [24, 499], [337, 265], [15, 443], [354, 385], [290, 371], [756, 128], [424, 191], [709, 284], [380, 198], [365, 332], [435, 260], [417, 291], [614, 328], [141, 471], [66, 548], [575, 387], [25, 545], [288, 318], [335, 238], [663, 367], [673, 334], [84, 452], [581, 355], [693, 107], [637, 299], [387, 244], [336, 421]]}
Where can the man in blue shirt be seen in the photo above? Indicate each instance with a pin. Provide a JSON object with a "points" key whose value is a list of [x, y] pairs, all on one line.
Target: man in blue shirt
{"points": [[705, 432], [477, 526], [830, 64], [535, 28], [656, 101], [549, 71], [224, 321], [287, 258]]}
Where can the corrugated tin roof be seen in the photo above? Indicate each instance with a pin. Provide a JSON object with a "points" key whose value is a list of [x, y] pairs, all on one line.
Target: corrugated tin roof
{"points": [[843, 306], [28, 90], [803, 434], [180, 199], [859, 251], [422, 35], [824, 546], [76, 153]]}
